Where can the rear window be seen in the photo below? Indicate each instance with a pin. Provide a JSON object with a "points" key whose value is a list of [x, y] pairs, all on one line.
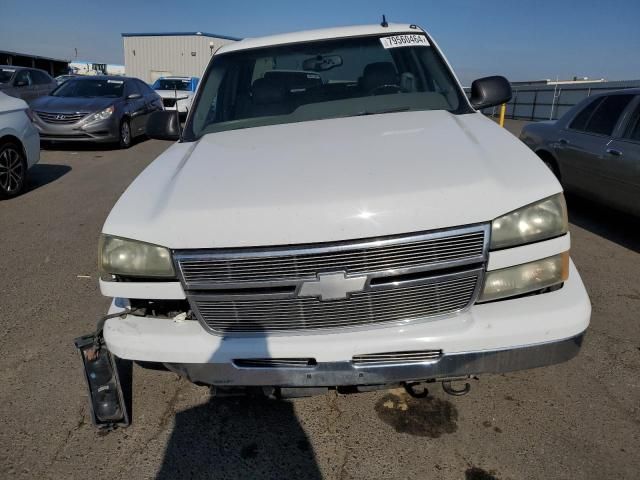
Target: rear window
{"points": [[606, 116], [633, 131], [40, 78], [580, 121], [601, 115]]}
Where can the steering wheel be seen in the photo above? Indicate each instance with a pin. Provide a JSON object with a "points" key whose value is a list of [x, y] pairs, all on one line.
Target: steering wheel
{"points": [[386, 88]]}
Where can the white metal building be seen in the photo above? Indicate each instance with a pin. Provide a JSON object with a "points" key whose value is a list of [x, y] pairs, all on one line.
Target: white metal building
{"points": [[149, 56]]}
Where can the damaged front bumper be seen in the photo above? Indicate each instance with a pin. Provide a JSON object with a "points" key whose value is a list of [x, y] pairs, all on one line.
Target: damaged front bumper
{"points": [[335, 374], [494, 337]]}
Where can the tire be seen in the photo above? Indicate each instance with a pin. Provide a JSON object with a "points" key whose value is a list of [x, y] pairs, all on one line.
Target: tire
{"points": [[13, 170], [551, 164], [125, 133], [553, 167]]}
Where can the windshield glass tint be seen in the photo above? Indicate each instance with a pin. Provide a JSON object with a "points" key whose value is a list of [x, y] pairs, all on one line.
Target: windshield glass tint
{"points": [[6, 74], [318, 80], [90, 88], [172, 84]]}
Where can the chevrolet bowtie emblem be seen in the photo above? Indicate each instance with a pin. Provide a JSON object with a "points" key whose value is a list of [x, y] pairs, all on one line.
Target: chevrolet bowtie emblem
{"points": [[332, 286]]}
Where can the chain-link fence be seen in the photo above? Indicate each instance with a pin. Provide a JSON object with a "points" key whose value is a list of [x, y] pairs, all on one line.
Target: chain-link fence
{"points": [[549, 102]]}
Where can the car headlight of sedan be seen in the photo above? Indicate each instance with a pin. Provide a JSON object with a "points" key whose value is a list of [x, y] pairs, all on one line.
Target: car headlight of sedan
{"points": [[539, 221], [121, 256], [103, 115], [525, 278]]}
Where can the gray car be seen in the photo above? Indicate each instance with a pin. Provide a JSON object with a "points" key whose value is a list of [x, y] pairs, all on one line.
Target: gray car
{"points": [[25, 83], [107, 109], [594, 149]]}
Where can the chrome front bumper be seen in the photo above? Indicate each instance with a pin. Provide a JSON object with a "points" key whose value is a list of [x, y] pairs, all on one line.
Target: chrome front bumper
{"points": [[103, 131], [332, 374]]}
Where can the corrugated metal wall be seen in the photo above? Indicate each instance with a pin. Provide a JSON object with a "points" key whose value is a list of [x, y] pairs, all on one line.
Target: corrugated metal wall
{"points": [[150, 57]]}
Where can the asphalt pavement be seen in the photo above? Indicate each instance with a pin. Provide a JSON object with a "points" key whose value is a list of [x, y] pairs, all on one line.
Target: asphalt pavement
{"points": [[576, 420]]}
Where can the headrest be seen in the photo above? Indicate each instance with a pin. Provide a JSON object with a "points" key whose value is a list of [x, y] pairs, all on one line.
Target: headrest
{"points": [[266, 91], [378, 74]]}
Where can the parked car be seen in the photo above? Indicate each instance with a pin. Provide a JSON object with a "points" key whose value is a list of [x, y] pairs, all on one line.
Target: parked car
{"points": [[25, 83], [181, 88], [19, 145], [358, 226], [594, 149], [96, 109], [60, 79]]}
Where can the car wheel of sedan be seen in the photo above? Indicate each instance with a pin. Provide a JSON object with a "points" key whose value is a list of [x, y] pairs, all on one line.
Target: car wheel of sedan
{"points": [[125, 134], [13, 170]]}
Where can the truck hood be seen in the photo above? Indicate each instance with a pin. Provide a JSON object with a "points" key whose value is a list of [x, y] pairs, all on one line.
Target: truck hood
{"points": [[331, 180]]}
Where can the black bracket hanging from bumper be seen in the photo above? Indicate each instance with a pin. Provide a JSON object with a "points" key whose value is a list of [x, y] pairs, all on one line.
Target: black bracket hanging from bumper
{"points": [[109, 380]]}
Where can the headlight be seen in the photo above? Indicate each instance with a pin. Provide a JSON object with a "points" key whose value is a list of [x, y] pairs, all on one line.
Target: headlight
{"points": [[120, 256], [103, 115], [538, 221], [529, 277]]}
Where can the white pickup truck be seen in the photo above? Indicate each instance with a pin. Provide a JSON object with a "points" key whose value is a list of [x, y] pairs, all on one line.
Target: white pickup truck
{"points": [[337, 214]]}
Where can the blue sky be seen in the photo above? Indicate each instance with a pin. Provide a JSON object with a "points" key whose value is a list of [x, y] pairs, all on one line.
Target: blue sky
{"points": [[519, 39]]}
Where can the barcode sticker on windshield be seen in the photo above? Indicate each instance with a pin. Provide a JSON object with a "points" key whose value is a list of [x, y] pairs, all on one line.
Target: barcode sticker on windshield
{"points": [[119, 82], [404, 41]]}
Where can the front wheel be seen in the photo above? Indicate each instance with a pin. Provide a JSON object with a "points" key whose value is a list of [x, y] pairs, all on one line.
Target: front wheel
{"points": [[551, 165], [125, 134], [13, 170]]}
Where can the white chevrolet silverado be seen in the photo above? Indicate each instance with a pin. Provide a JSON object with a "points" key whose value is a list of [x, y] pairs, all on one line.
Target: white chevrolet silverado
{"points": [[337, 214]]}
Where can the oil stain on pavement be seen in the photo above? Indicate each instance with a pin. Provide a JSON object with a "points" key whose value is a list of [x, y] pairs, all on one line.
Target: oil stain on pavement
{"points": [[423, 417], [475, 473]]}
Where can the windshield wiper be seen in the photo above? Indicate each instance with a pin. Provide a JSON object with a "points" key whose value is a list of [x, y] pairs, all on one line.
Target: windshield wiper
{"points": [[378, 112]]}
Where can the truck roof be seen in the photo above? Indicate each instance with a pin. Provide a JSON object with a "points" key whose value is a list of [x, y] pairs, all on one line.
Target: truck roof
{"points": [[320, 34]]}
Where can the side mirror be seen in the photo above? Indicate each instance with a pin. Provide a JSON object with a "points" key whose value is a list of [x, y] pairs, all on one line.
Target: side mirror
{"points": [[163, 125], [133, 96], [489, 92]]}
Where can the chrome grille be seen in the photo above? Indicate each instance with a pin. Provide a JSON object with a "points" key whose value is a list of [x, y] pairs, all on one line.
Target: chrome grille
{"points": [[204, 269], [361, 308], [397, 357], [61, 118]]}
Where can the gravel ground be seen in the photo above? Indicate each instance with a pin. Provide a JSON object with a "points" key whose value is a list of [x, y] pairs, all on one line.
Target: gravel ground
{"points": [[580, 419]]}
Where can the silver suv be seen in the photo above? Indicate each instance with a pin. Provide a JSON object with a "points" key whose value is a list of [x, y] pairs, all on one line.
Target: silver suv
{"points": [[25, 83]]}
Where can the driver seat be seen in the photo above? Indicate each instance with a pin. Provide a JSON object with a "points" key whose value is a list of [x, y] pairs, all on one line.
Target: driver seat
{"points": [[378, 74]]}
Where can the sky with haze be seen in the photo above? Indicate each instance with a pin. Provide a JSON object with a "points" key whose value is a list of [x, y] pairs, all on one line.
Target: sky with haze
{"points": [[522, 40]]}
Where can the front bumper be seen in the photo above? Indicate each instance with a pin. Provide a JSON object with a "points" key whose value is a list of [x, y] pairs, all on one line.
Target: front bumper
{"points": [[103, 131], [494, 337], [335, 374]]}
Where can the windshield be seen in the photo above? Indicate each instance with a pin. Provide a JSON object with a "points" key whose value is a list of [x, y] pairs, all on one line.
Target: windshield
{"points": [[323, 79], [172, 84], [90, 88], [6, 74]]}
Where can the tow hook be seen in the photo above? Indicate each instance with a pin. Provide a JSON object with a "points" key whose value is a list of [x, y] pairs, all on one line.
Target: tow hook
{"points": [[446, 386], [416, 389]]}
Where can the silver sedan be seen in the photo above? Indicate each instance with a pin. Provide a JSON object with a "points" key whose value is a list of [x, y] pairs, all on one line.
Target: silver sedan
{"points": [[594, 149]]}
